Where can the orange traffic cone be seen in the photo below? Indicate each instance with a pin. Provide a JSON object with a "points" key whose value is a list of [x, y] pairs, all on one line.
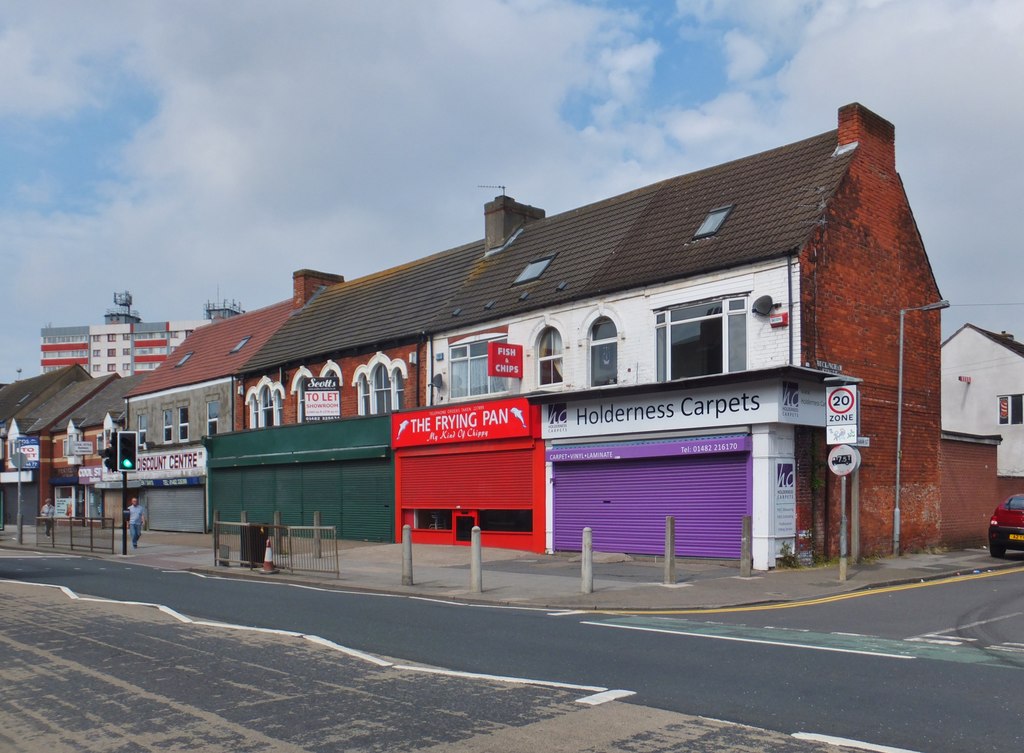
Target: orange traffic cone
{"points": [[268, 559]]}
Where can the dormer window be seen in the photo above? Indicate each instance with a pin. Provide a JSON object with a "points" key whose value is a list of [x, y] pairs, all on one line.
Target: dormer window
{"points": [[533, 270], [713, 222]]}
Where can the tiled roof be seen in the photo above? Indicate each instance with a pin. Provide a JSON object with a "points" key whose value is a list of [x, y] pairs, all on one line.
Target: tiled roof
{"points": [[110, 400], [1006, 341], [646, 237], [17, 396], [59, 407], [389, 306], [212, 350], [640, 238]]}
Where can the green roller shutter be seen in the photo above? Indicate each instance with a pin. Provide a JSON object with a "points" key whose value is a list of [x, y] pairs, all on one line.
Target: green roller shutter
{"points": [[321, 492], [258, 490], [368, 512]]}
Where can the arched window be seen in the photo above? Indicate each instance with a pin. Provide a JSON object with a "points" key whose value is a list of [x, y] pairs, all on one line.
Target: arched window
{"points": [[254, 412], [398, 383], [549, 356], [270, 407], [363, 386], [381, 390], [604, 353]]}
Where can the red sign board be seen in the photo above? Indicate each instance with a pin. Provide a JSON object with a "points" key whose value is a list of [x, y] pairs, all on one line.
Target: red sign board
{"points": [[504, 360], [468, 422]]}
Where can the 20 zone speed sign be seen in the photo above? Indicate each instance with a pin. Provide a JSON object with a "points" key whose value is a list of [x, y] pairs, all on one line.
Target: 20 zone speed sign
{"points": [[842, 405]]}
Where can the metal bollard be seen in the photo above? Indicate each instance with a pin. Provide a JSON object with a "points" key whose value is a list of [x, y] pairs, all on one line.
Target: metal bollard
{"points": [[587, 585], [746, 548], [670, 550], [476, 563], [406, 555]]}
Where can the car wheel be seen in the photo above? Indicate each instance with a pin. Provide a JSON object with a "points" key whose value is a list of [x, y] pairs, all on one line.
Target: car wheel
{"points": [[996, 550]]}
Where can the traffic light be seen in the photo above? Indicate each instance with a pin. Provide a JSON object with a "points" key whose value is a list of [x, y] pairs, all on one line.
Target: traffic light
{"points": [[127, 450], [109, 456]]}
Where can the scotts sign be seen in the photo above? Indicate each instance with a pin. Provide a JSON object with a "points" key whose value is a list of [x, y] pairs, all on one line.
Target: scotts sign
{"points": [[468, 422], [321, 399], [504, 360]]}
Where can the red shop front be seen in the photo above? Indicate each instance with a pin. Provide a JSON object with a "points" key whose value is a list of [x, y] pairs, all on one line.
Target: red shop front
{"points": [[472, 464]]}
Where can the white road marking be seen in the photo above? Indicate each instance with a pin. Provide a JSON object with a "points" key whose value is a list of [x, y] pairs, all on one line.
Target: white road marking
{"points": [[737, 639], [844, 742], [964, 627], [609, 695]]}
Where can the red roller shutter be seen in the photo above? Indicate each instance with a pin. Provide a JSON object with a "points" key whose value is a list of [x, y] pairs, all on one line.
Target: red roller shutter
{"points": [[500, 479]]}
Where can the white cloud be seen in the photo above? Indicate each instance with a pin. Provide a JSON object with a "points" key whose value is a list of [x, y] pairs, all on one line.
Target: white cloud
{"points": [[352, 136]]}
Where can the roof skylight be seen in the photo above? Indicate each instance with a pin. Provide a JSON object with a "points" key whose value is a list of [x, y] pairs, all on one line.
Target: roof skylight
{"points": [[183, 359], [533, 270], [713, 222], [241, 344]]}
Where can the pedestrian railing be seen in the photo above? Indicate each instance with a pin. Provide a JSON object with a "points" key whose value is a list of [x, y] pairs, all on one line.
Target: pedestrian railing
{"points": [[77, 534], [310, 549]]}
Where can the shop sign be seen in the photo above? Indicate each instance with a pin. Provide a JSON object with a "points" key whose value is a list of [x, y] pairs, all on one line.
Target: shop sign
{"points": [[504, 360], [785, 498], [183, 462], [731, 405], [29, 448], [321, 399], [467, 422], [675, 448], [90, 474]]}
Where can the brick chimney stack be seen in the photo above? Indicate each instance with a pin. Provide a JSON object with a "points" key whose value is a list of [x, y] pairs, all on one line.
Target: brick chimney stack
{"points": [[306, 283], [503, 217], [874, 135]]}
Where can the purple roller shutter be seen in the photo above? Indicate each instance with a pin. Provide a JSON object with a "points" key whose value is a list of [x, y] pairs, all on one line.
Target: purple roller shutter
{"points": [[626, 502]]}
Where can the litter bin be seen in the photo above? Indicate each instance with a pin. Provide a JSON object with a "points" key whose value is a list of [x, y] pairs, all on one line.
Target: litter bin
{"points": [[253, 545]]}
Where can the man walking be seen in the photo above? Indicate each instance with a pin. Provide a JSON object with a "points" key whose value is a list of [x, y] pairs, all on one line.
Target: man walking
{"points": [[47, 514], [136, 519]]}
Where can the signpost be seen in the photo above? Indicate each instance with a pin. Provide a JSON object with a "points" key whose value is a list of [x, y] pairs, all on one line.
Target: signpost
{"points": [[843, 460]]}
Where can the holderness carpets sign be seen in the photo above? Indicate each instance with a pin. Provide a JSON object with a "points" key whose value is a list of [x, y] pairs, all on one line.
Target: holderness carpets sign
{"points": [[750, 403]]}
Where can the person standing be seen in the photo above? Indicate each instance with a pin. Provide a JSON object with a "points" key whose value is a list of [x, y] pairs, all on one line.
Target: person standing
{"points": [[136, 519], [48, 512]]}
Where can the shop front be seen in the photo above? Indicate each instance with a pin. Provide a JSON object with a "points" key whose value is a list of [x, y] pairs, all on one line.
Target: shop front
{"points": [[339, 472], [170, 486], [622, 463], [467, 465]]}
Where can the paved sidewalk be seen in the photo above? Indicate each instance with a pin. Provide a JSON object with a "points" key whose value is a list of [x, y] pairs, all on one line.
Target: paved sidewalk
{"points": [[554, 581]]}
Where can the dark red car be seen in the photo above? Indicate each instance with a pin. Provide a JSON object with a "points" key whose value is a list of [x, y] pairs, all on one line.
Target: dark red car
{"points": [[1006, 529]]}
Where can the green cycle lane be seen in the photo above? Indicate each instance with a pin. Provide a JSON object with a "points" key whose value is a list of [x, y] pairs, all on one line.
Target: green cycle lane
{"points": [[997, 656]]}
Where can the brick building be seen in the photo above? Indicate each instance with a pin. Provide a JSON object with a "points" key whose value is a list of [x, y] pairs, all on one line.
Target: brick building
{"points": [[672, 345]]}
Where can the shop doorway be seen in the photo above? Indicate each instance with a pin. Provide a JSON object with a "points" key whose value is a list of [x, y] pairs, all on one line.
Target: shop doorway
{"points": [[464, 523]]}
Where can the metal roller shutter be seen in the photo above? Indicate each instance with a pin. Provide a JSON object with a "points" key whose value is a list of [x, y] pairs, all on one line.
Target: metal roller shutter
{"points": [[368, 509], [626, 503], [483, 479], [175, 509]]}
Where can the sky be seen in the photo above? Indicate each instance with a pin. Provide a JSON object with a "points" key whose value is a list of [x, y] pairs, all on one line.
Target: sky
{"points": [[200, 151]]}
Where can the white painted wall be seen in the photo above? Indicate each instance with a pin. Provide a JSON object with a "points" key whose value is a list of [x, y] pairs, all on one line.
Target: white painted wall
{"points": [[634, 315], [973, 408]]}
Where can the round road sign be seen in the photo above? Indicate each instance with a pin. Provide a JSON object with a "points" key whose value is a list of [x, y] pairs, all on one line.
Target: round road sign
{"points": [[843, 459]]}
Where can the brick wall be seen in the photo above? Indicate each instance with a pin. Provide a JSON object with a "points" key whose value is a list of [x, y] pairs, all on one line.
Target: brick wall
{"points": [[864, 264], [415, 385]]}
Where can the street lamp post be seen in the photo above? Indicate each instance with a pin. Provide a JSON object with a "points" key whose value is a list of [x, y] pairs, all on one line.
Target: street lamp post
{"points": [[899, 423]]}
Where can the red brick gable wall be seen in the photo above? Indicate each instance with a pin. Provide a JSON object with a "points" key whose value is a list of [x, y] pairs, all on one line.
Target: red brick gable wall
{"points": [[862, 266]]}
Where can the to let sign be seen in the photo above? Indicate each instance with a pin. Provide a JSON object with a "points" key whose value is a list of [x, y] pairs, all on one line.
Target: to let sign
{"points": [[504, 360], [321, 399]]}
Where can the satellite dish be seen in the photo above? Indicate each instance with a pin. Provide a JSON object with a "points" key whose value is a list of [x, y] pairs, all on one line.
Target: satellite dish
{"points": [[763, 305], [437, 381]]}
